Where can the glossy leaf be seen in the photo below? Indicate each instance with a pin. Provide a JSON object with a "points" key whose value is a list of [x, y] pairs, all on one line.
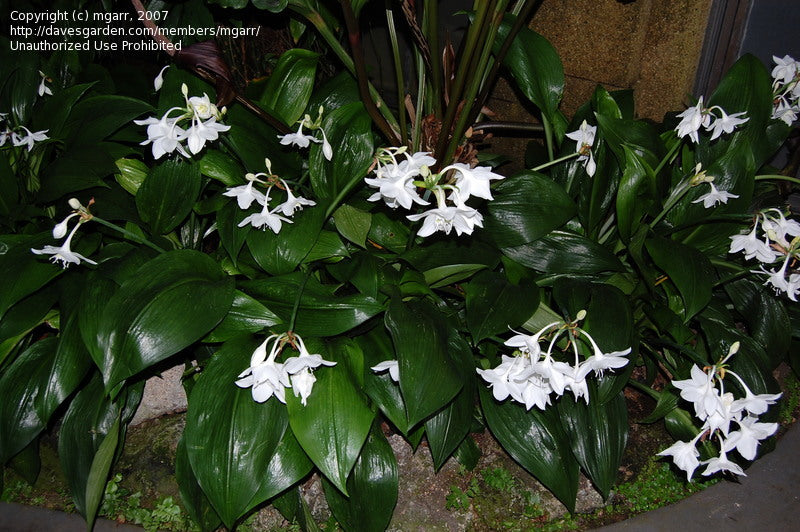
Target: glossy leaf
{"points": [[281, 253], [168, 194], [221, 167], [561, 252], [689, 269], [335, 421], [637, 191], [428, 378], [230, 234], [290, 84], [381, 389], [98, 472], [353, 224], [527, 207], [494, 304], [536, 440], [349, 131], [194, 500], [171, 301], [246, 315], [22, 272], [131, 175], [95, 118], [597, 433], [765, 316], [372, 488]]}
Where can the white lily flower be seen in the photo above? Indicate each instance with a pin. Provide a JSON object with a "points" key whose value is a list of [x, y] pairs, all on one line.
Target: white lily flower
{"points": [[63, 253], [265, 376], [600, 361], [44, 89], [502, 378], [159, 80], [461, 218], [785, 69], [246, 194], [584, 138], [684, 455], [726, 123], [692, 119], [165, 134], [721, 463], [29, 139], [327, 150], [785, 111], [200, 132], [473, 181], [299, 139], [750, 433], [700, 391], [265, 218], [392, 366], [202, 107], [753, 247], [714, 196], [293, 203]]}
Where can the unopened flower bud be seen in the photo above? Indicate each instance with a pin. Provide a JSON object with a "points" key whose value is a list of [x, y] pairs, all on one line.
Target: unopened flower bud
{"points": [[74, 203]]}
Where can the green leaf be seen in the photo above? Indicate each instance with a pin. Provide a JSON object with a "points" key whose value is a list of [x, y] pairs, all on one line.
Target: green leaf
{"points": [[320, 312], [273, 6], [98, 472], [132, 173], [597, 433], [353, 224], [527, 207], [281, 253], [246, 315], [328, 247], [335, 421], [536, 440], [168, 194], [349, 130], [636, 193], [194, 500], [690, 270], [231, 440], [9, 191], [230, 234], [171, 302], [428, 378], [765, 316], [95, 118], [289, 86], [381, 389], [536, 67], [221, 167], [561, 252], [451, 273], [82, 167], [372, 487], [23, 273], [22, 318], [494, 304]]}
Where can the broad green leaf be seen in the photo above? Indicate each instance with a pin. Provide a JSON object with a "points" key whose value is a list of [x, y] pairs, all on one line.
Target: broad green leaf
{"points": [[98, 472], [561, 252], [689, 270], [637, 191], [333, 425], [95, 118], [230, 439], [194, 500], [765, 316], [168, 194], [22, 318], [389, 234], [171, 302], [88, 420], [638, 136], [527, 207], [289, 86], [246, 315], [273, 6], [131, 175], [349, 131], [56, 108], [372, 488], [230, 234], [494, 304], [281, 253], [253, 140], [23, 273], [452, 273], [79, 168], [537, 441], [320, 312], [328, 247], [428, 378], [353, 224], [381, 389], [597, 433], [9, 191], [221, 167]]}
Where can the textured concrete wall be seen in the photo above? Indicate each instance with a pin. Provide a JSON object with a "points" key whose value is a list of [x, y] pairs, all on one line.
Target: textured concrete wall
{"points": [[651, 46]]}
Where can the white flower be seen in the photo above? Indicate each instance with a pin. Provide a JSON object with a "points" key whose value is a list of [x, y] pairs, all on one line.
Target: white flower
{"points": [[721, 416], [265, 376], [293, 202], [5, 135], [750, 433], [327, 150], [785, 111], [159, 80], [779, 281], [778, 228], [395, 181], [44, 89], [700, 391], [692, 119], [502, 378], [785, 69], [754, 404], [753, 247], [63, 253], [200, 132], [715, 196], [164, 134], [721, 463], [29, 139], [202, 107], [461, 218], [584, 138], [300, 369], [60, 229], [726, 123], [245, 194], [600, 361], [265, 218], [684, 455], [298, 138], [473, 181], [391, 365], [529, 344]]}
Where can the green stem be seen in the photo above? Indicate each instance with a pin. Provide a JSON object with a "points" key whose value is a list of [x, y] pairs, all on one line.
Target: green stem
{"points": [[644, 388], [398, 74], [680, 191], [548, 136], [667, 157], [132, 236], [778, 177], [341, 195], [297, 298], [555, 161]]}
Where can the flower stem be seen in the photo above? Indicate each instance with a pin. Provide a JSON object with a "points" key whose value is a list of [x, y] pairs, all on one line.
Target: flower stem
{"points": [[680, 191], [667, 157], [297, 298], [778, 177], [555, 161], [129, 234]]}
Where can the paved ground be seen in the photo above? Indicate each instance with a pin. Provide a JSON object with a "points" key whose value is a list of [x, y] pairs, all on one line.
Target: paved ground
{"points": [[766, 500]]}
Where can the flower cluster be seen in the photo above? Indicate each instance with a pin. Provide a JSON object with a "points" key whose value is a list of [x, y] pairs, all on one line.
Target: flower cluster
{"points": [[786, 89], [712, 197], [166, 135], [399, 175], [64, 253], [15, 134], [693, 118], [778, 239], [246, 194], [717, 409], [266, 377], [532, 375], [584, 138], [302, 140]]}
